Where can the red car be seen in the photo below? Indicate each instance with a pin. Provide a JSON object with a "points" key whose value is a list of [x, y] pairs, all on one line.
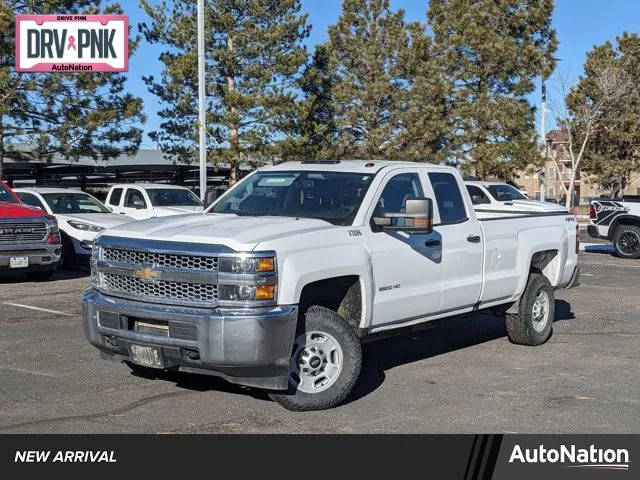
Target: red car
{"points": [[29, 238]]}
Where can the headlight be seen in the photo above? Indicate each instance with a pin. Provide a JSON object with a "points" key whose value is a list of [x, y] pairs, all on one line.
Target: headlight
{"points": [[87, 227], [247, 278], [246, 264]]}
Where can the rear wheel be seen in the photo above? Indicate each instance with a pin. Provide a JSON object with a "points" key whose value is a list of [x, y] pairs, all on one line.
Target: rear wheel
{"points": [[324, 365], [626, 241], [533, 323]]}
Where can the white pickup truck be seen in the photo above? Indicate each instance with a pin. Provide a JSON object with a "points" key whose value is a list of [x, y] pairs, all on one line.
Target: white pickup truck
{"points": [[147, 200], [279, 281], [502, 197]]}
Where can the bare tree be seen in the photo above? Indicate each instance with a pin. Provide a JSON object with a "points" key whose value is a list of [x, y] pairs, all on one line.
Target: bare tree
{"points": [[579, 111]]}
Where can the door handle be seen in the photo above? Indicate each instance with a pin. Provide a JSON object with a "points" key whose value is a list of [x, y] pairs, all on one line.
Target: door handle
{"points": [[473, 239], [432, 243], [122, 213]]}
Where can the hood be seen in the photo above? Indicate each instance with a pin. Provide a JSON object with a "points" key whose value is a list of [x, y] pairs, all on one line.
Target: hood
{"points": [[166, 211], [19, 210], [238, 233], [106, 220], [535, 206]]}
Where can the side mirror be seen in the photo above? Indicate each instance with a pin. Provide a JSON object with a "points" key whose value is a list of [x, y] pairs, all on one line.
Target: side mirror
{"points": [[417, 218], [138, 204]]}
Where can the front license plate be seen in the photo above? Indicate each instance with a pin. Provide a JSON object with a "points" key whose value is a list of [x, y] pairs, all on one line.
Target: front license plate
{"points": [[19, 262], [146, 356]]}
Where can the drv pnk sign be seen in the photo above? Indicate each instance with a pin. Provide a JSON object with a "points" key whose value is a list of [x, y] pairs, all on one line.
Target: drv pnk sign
{"points": [[72, 43]]}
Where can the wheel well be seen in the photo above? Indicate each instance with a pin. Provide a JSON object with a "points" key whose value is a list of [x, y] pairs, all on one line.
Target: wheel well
{"points": [[629, 220], [340, 294], [547, 263]]}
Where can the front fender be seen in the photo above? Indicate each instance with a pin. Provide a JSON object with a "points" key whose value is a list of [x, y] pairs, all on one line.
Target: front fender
{"points": [[301, 268]]}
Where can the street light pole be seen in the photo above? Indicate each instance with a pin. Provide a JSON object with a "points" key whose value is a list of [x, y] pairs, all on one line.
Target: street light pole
{"points": [[201, 103], [543, 136]]}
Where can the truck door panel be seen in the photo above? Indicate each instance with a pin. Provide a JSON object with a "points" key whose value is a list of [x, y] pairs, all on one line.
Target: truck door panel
{"points": [[407, 268], [462, 248]]}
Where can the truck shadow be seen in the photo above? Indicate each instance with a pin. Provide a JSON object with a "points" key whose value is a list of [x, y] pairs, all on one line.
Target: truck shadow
{"points": [[457, 333], [57, 276], [385, 354]]}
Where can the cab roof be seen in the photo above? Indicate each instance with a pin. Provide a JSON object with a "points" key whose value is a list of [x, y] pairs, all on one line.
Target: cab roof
{"points": [[147, 186], [351, 166], [48, 190]]}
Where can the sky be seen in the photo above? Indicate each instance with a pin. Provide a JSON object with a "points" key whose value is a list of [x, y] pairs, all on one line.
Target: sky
{"points": [[580, 24]]}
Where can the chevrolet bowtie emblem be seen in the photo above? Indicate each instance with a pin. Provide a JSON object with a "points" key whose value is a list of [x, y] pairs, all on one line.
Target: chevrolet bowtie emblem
{"points": [[146, 274]]}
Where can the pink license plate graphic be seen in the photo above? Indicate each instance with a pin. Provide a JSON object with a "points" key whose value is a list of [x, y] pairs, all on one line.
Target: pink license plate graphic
{"points": [[72, 43]]}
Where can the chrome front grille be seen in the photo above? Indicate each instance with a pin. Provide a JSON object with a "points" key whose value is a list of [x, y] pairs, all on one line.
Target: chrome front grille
{"points": [[133, 257], [135, 287], [22, 232], [153, 276]]}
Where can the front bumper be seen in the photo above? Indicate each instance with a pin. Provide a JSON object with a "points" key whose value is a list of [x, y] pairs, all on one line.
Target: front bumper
{"points": [[245, 347], [41, 255]]}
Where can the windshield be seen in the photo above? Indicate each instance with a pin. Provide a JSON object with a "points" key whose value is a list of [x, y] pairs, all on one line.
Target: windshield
{"points": [[70, 203], [505, 193], [173, 197], [6, 195], [334, 197]]}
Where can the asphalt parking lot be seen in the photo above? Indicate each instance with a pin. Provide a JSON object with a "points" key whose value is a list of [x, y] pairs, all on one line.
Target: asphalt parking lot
{"points": [[464, 376]]}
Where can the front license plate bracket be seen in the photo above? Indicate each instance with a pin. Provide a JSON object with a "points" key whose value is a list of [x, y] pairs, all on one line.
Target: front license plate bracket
{"points": [[146, 356]]}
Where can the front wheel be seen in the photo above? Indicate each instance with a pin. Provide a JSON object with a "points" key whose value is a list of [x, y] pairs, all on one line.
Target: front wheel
{"points": [[534, 320], [68, 256], [325, 363], [626, 241]]}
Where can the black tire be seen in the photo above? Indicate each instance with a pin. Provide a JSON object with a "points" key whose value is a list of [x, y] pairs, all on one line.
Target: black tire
{"points": [[68, 256], [40, 276], [520, 326], [626, 241], [329, 322]]}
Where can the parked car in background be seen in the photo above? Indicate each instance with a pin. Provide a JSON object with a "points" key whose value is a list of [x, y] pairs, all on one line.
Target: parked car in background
{"points": [[502, 197], [29, 238], [152, 200], [617, 220], [80, 218]]}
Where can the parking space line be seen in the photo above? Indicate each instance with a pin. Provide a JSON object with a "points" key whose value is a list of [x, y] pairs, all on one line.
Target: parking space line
{"points": [[38, 309], [609, 264]]}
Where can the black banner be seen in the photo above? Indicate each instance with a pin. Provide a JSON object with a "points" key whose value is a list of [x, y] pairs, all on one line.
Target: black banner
{"points": [[429, 456]]}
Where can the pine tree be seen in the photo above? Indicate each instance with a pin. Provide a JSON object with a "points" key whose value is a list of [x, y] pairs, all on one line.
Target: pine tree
{"points": [[253, 58], [55, 114], [367, 53], [492, 51], [316, 126], [613, 151]]}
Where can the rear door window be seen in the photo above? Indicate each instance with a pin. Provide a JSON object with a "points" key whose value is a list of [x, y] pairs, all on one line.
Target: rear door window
{"points": [[448, 197], [115, 197]]}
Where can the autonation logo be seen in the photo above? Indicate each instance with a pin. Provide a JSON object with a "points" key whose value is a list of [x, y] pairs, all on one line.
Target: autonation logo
{"points": [[570, 456]]}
